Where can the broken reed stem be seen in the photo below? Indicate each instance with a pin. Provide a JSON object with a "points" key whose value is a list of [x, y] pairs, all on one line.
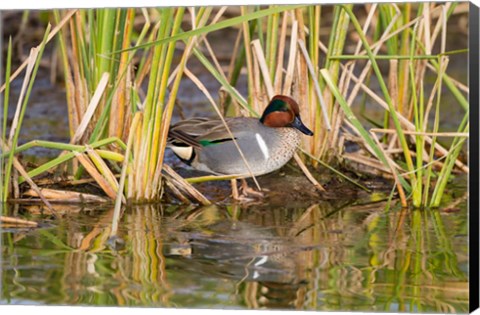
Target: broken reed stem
{"points": [[181, 183], [94, 101], [307, 172], [292, 57], [323, 106], [421, 133], [277, 82], [335, 171], [92, 170], [64, 196], [367, 161], [399, 57], [257, 48], [17, 221]]}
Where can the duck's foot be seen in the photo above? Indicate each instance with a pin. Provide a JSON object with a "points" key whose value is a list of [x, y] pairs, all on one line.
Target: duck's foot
{"points": [[247, 194], [247, 191]]}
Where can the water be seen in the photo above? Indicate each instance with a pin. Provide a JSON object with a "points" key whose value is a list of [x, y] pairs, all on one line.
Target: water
{"points": [[321, 257]]}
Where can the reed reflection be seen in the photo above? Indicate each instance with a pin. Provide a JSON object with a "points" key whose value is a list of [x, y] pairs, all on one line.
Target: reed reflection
{"points": [[323, 257]]}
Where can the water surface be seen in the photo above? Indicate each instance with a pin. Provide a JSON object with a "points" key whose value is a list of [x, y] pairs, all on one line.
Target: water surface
{"points": [[356, 257]]}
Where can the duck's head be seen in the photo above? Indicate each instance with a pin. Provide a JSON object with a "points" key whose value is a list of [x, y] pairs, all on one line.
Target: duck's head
{"points": [[283, 111]]}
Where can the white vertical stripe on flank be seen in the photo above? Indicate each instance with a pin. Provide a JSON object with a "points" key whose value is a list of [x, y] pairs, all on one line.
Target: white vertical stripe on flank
{"points": [[263, 146]]}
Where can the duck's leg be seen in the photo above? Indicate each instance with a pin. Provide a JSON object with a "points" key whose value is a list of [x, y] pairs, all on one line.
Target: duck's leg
{"points": [[247, 191], [248, 194]]}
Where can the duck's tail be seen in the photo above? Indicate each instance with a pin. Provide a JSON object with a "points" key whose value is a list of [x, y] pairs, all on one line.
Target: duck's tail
{"points": [[182, 144], [177, 138]]}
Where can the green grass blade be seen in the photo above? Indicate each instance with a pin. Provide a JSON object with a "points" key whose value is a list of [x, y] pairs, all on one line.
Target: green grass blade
{"points": [[6, 95], [218, 26], [23, 108]]}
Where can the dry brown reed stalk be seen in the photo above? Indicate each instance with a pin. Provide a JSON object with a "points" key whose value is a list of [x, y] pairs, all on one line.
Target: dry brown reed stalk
{"points": [[281, 52], [252, 100], [65, 196], [17, 119], [67, 180], [88, 114], [120, 115], [181, 184], [176, 192], [77, 90], [315, 84], [104, 169], [368, 162], [422, 133], [287, 85], [92, 170], [17, 221], [301, 89], [307, 172]]}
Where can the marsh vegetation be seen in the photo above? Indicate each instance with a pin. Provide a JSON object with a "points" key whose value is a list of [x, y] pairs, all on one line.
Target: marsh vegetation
{"points": [[373, 205]]}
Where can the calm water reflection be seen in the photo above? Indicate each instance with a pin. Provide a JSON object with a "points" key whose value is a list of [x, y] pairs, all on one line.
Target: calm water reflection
{"points": [[358, 257]]}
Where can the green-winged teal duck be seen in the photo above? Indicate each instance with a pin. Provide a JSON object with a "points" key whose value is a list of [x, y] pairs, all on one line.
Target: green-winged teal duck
{"points": [[267, 143]]}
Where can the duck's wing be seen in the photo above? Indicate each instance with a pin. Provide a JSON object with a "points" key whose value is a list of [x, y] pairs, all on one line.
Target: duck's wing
{"points": [[185, 132], [198, 132]]}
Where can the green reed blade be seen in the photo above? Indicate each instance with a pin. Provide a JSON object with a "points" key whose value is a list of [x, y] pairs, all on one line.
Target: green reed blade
{"points": [[217, 26], [6, 95], [13, 145]]}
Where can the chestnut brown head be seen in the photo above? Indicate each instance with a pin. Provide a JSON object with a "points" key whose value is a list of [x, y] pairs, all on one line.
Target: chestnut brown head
{"points": [[283, 111]]}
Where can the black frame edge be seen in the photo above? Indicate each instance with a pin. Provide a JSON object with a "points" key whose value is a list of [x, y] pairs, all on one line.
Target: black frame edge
{"points": [[474, 207]]}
